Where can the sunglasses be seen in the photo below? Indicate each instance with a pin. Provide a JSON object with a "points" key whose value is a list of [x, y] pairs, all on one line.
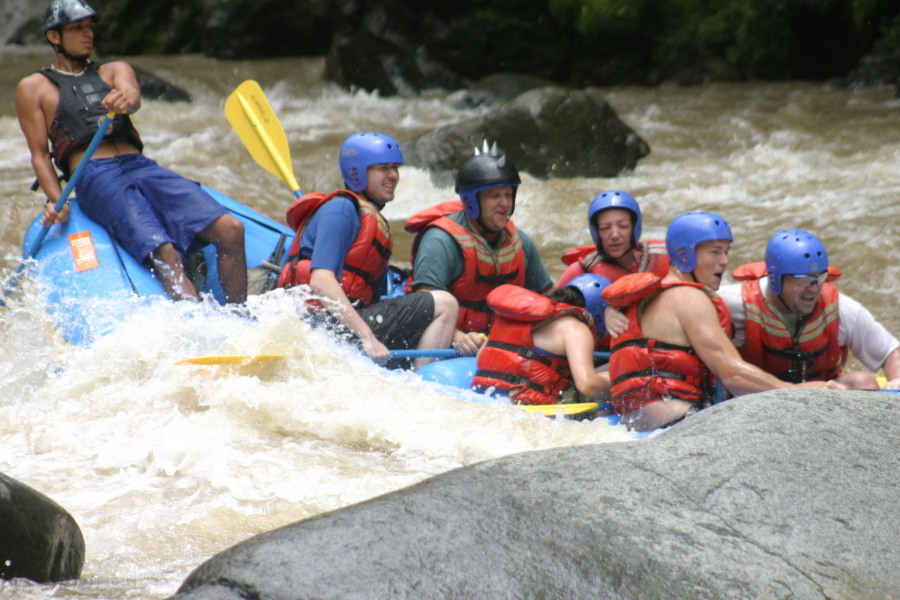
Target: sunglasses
{"points": [[811, 279]]}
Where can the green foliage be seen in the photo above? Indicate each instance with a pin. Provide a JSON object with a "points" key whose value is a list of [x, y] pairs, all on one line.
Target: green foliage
{"points": [[732, 39]]}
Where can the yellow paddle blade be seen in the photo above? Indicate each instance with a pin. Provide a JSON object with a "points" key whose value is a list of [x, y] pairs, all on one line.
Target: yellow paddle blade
{"points": [[231, 359], [251, 116], [566, 409]]}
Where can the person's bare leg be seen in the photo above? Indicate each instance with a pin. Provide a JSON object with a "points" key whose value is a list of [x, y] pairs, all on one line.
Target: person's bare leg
{"points": [[227, 234], [168, 267], [439, 333], [656, 414]]}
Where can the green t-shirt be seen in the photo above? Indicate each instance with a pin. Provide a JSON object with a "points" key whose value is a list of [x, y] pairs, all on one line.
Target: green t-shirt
{"points": [[439, 261]]}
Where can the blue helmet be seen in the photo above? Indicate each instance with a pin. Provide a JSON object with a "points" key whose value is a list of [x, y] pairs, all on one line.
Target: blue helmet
{"points": [[689, 229], [63, 12], [793, 252], [591, 287], [362, 150], [614, 199], [487, 169]]}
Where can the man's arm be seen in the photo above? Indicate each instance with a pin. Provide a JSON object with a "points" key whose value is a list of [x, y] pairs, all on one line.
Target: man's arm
{"points": [[438, 264], [698, 319], [330, 234], [125, 97], [438, 261], [30, 102], [892, 370], [536, 277], [869, 341], [579, 349], [324, 284]]}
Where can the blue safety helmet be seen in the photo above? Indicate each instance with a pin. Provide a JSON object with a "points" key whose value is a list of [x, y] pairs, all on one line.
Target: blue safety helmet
{"points": [[689, 229], [63, 12], [793, 252], [487, 169], [362, 150], [591, 287], [614, 199]]}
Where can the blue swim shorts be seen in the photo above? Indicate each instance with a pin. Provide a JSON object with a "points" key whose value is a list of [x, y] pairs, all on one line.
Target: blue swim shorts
{"points": [[144, 205]]}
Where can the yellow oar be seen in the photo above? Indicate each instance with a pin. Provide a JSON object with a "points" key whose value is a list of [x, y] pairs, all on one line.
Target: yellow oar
{"points": [[231, 359], [566, 409], [251, 116]]}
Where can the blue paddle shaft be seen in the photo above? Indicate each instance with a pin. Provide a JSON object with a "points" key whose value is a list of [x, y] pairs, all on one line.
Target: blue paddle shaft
{"points": [[451, 353], [73, 180]]}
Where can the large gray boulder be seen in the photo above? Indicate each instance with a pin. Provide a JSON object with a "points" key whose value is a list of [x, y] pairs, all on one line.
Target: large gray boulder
{"points": [[39, 540], [548, 132], [789, 494]]}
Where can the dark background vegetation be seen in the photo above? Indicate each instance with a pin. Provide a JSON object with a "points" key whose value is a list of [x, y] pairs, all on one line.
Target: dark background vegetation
{"points": [[574, 42]]}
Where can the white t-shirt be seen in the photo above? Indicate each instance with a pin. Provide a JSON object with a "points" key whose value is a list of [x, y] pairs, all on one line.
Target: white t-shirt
{"points": [[868, 340]]}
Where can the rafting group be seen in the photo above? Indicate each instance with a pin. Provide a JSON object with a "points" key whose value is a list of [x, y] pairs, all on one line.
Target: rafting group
{"points": [[656, 309]]}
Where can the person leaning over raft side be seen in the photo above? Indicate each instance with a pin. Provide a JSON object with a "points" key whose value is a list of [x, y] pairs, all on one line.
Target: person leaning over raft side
{"points": [[470, 246], [154, 213], [540, 345], [789, 321], [677, 339], [342, 248]]}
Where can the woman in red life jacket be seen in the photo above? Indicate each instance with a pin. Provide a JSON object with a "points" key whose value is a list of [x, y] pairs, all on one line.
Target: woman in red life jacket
{"points": [[614, 220], [541, 345]]}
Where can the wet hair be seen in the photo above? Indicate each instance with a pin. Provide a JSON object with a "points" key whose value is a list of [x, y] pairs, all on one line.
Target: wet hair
{"points": [[567, 295]]}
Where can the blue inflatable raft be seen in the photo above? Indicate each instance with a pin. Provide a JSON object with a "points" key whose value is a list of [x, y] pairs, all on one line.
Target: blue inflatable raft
{"points": [[78, 264]]}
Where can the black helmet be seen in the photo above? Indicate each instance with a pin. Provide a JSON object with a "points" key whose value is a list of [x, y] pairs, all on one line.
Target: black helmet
{"points": [[487, 169], [63, 12]]}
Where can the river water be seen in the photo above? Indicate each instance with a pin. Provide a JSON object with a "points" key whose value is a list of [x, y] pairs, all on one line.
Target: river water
{"points": [[164, 465]]}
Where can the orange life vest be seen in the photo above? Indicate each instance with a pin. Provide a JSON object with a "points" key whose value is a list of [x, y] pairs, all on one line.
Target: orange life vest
{"points": [[366, 260], [509, 360], [644, 370], [811, 354], [650, 257], [485, 268]]}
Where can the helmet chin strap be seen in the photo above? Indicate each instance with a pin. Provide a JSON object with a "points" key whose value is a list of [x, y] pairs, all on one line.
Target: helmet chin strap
{"points": [[60, 50]]}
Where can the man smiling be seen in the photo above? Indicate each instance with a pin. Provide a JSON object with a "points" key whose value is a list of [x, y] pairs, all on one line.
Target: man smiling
{"points": [[791, 322], [676, 344], [341, 251], [470, 246]]}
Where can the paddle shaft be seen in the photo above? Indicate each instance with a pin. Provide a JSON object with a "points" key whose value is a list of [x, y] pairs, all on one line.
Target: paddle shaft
{"points": [[63, 198], [415, 353], [452, 353], [73, 180]]}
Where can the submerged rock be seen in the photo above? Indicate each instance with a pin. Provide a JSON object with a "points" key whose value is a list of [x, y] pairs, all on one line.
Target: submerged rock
{"points": [[787, 494], [39, 540]]}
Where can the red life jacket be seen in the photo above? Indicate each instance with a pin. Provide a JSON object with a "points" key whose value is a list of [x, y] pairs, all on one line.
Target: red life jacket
{"points": [[650, 257], [811, 354], [485, 268], [509, 360], [644, 370], [366, 260]]}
